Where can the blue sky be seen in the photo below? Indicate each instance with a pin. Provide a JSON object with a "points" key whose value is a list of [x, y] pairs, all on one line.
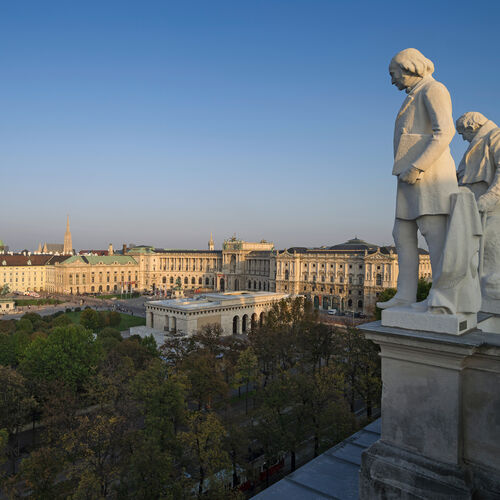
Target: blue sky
{"points": [[159, 121]]}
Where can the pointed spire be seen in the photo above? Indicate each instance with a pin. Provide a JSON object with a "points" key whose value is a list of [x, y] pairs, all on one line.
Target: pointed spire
{"points": [[68, 245], [211, 245]]}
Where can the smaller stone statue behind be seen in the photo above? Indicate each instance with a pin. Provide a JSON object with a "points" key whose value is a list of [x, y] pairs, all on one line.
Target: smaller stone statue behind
{"points": [[479, 171]]}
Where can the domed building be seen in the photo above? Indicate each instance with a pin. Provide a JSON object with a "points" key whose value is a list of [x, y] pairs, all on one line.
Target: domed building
{"points": [[348, 277]]}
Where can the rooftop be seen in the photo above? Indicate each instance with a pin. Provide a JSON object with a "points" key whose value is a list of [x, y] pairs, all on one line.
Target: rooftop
{"points": [[333, 475], [101, 259], [210, 300]]}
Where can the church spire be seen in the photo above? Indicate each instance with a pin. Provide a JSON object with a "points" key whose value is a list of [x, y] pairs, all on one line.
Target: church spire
{"points": [[68, 245], [211, 245]]}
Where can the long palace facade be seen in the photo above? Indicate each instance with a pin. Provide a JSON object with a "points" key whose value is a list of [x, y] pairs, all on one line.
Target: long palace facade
{"points": [[348, 276]]}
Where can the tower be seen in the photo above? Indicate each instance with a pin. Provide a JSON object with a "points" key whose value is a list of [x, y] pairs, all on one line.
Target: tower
{"points": [[68, 245], [211, 243]]}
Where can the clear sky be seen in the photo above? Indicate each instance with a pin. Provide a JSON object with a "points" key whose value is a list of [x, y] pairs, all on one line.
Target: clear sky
{"points": [[157, 122]]}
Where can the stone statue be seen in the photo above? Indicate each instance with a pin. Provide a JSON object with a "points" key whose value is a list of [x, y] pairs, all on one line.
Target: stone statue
{"points": [[479, 171], [425, 169]]}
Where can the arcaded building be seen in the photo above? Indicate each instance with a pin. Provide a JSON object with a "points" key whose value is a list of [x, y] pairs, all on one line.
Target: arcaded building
{"points": [[234, 312]]}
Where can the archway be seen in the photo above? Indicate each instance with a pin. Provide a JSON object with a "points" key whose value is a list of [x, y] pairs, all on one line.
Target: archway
{"points": [[244, 324], [360, 304], [316, 302], [326, 303], [349, 303], [236, 285], [262, 318], [222, 285], [236, 324], [253, 321]]}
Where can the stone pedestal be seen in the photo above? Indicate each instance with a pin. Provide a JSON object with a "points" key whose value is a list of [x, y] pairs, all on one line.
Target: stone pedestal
{"points": [[440, 416], [410, 319]]}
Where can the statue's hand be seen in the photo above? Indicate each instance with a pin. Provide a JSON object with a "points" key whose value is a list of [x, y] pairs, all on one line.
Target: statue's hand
{"points": [[410, 175], [487, 202]]}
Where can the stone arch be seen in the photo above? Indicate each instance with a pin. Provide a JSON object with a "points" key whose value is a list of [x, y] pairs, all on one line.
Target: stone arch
{"points": [[316, 302], [349, 303], [244, 324], [236, 324], [253, 321], [262, 318], [326, 303], [360, 304], [222, 285], [236, 285]]}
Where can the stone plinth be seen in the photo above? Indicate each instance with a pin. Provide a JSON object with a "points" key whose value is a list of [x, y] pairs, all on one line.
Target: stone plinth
{"points": [[440, 416], [410, 319]]}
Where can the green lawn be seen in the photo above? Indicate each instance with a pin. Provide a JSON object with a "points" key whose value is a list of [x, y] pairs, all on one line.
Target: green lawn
{"points": [[126, 322], [36, 302]]}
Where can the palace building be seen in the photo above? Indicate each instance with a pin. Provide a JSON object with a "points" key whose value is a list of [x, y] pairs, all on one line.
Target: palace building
{"points": [[348, 277]]}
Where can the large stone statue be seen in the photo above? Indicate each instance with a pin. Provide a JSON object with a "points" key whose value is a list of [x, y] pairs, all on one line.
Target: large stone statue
{"points": [[479, 170], [424, 167]]}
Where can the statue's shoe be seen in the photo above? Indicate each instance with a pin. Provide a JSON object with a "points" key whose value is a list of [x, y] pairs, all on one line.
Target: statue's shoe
{"points": [[420, 306], [394, 302]]}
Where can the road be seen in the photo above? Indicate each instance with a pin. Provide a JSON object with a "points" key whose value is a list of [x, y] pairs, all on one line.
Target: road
{"points": [[135, 306]]}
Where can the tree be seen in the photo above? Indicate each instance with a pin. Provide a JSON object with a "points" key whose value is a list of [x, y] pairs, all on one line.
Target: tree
{"points": [[69, 354], [247, 371], [90, 319], [360, 364], [12, 347], [161, 397], [206, 382], [114, 319], [203, 444], [95, 451], [40, 472], [5, 289], [148, 472], [15, 409]]}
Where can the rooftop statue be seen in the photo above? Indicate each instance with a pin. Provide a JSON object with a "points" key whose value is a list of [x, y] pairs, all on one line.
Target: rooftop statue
{"points": [[424, 167], [479, 171]]}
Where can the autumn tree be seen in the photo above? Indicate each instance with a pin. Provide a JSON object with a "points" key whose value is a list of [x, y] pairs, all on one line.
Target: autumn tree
{"points": [[161, 398], [247, 371], [203, 442]]}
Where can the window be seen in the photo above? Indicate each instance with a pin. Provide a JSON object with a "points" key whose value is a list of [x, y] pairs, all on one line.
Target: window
{"points": [[379, 279], [171, 279]]}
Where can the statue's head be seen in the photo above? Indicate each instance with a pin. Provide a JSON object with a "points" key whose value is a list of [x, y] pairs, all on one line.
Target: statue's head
{"points": [[469, 123], [408, 67]]}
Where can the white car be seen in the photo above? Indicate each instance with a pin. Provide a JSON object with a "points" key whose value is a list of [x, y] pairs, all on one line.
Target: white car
{"points": [[332, 312]]}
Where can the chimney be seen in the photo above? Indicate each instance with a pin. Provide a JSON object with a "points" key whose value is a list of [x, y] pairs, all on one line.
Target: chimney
{"points": [[110, 249], [124, 248]]}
